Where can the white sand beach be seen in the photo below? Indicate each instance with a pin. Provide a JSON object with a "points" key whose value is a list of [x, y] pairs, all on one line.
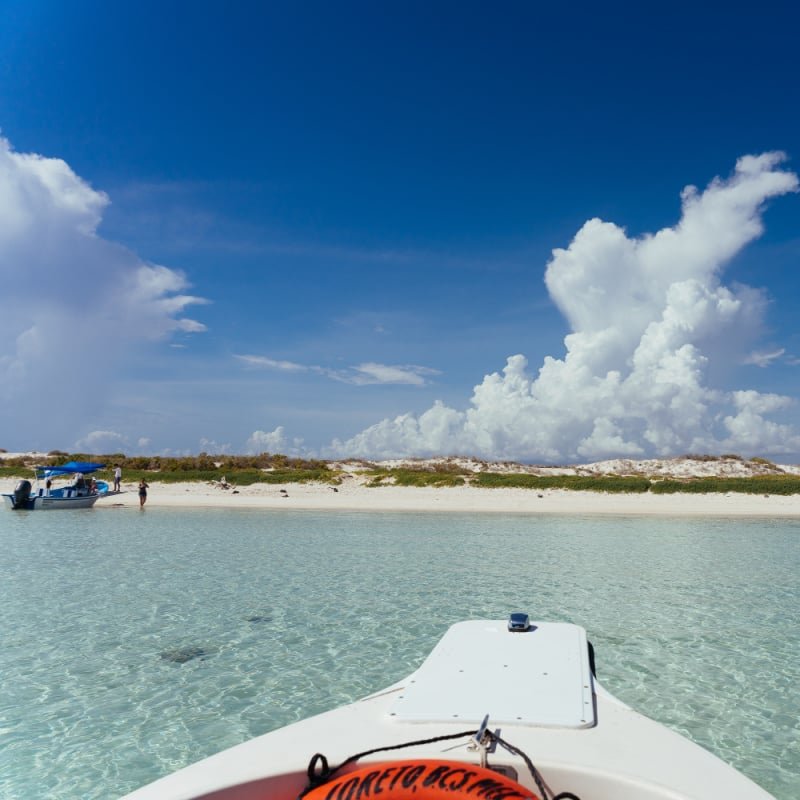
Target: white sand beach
{"points": [[353, 495]]}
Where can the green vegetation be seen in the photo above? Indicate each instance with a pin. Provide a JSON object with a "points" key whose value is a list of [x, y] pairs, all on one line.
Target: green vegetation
{"points": [[238, 477], [15, 472], [759, 484], [444, 475], [236, 470], [582, 483], [11, 467]]}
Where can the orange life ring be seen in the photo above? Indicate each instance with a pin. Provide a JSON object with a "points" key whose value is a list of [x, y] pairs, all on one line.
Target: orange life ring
{"points": [[421, 780]]}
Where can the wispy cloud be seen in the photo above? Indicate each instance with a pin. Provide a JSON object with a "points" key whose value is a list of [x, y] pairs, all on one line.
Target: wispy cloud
{"points": [[368, 373], [184, 216], [381, 373], [763, 359], [262, 362]]}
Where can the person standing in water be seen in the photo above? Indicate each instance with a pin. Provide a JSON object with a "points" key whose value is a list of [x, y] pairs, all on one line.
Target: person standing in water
{"points": [[142, 492]]}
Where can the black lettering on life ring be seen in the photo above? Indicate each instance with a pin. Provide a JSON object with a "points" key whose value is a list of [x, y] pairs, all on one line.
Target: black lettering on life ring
{"points": [[415, 780]]}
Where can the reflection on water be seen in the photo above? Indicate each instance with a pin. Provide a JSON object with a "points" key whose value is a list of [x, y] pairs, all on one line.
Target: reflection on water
{"points": [[134, 644]]}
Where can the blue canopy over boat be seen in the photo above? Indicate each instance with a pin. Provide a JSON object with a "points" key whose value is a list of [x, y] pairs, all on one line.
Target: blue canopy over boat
{"points": [[84, 467]]}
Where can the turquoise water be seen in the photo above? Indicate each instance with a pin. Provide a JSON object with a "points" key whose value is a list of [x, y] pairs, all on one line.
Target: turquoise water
{"points": [[135, 643]]}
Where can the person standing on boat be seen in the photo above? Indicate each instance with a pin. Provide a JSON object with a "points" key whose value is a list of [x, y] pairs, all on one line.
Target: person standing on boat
{"points": [[117, 477], [142, 492]]}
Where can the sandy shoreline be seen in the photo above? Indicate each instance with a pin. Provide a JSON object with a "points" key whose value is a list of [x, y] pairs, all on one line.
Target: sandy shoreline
{"points": [[354, 496], [353, 493]]}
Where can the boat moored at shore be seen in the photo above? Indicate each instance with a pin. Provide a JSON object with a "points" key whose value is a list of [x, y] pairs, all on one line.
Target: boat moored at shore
{"points": [[79, 493]]}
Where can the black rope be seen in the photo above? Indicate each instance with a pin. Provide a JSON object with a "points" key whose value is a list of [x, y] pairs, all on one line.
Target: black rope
{"points": [[320, 772], [532, 769], [326, 773]]}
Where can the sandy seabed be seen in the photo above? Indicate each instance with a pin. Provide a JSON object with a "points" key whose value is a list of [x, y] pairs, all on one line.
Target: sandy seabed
{"points": [[353, 495]]}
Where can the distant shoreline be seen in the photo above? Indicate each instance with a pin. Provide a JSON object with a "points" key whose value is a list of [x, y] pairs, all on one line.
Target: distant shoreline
{"points": [[350, 486]]}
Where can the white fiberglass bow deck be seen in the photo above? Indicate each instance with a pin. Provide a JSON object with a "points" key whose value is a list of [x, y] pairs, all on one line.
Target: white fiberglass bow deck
{"points": [[551, 732]]}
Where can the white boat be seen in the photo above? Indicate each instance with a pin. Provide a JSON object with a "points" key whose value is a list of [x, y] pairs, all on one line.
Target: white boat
{"points": [[499, 710], [80, 493]]}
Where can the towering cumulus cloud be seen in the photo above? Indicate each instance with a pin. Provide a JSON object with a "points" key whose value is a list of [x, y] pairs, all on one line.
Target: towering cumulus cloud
{"points": [[647, 317], [73, 304]]}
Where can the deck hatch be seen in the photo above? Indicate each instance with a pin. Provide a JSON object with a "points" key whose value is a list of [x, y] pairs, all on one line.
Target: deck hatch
{"points": [[539, 678]]}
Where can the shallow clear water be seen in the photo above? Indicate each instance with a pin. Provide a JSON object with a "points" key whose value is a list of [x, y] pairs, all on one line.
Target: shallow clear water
{"points": [[136, 643]]}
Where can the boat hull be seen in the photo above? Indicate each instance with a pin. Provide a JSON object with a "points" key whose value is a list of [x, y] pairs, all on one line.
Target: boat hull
{"points": [[50, 503], [79, 494], [613, 753]]}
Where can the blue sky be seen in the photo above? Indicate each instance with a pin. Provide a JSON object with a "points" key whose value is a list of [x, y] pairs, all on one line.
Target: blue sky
{"points": [[385, 229]]}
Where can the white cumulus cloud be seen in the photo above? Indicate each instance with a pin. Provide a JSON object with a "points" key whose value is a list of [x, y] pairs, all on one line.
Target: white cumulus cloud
{"points": [[646, 315], [276, 442], [102, 442], [266, 442], [73, 305]]}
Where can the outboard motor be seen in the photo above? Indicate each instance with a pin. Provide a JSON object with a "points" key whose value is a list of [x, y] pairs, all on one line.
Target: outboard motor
{"points": [[22, 494]]}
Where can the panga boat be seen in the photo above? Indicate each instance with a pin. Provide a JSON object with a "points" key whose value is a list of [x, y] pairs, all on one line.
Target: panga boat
{"points": [[80, 493], [499, 710]]}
